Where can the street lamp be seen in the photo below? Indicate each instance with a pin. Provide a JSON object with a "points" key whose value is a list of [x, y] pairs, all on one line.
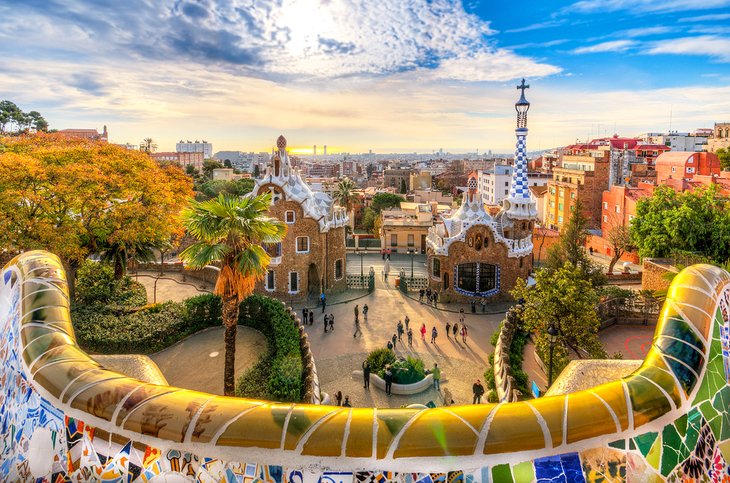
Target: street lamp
{"points": [[360, 254], [412, 253], [553, 335]]}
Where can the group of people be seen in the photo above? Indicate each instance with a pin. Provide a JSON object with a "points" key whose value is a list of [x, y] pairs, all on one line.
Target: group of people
{"points": [[457, 330], [432, 296], [340, 402], [358, 330]]}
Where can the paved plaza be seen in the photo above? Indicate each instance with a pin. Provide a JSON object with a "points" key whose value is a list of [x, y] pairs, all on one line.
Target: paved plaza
{"points": [[170, 286]]}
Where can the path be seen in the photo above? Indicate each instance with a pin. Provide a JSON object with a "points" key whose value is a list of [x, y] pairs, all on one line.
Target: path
{"points": [[197, 362], [170, 286]]}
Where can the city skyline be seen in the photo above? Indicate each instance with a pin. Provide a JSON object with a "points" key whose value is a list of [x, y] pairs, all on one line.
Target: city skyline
{"points": [[393, 77]]}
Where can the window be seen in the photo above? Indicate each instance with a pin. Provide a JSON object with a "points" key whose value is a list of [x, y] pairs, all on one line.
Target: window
{"points": [[605, 218], [691, 160], [618, 209], [302, 244], [270, 281], [560, 206], [506, 192], [560, 218], [605, 205], [674, 169], [289, 217], [394, 239], [522, 261], [572, 195], [631, 217], [506, 183], [690, 169], [436, 267], [476, 277], [445, 280], [410, 240], [338, 269], [273, 249], [293, 282]]}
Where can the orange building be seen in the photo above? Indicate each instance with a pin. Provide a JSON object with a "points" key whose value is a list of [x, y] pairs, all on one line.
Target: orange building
{"points": [[92, 134], [684, 165]]}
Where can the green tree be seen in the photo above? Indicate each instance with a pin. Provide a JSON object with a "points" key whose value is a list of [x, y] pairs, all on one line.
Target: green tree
{"points": [[403, 188], [191, 171], [230, 232], [382, 201], [208, 166], [724, 155], [148, 145], [256, 171], [564, 299], [571, 247], [619, 238], [13, 119], [37, 121], [696, 221], [227, 163], [369, 218]]}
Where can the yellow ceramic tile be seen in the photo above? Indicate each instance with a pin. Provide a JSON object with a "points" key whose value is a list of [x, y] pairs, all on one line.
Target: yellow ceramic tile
{"points": [[218, 412], [587, 417], [390, 423], [302, 418], [507, 435], [257, 428], [436, 433], [167, 416], [360, 437], [552, 409], [327, 439], [647, 400]]}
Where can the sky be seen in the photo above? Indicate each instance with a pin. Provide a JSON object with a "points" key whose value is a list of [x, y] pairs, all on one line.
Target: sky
{"points": [[386, 75]]}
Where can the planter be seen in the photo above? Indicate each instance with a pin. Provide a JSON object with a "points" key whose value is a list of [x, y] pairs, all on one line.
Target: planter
{"points": [[400, 389]]}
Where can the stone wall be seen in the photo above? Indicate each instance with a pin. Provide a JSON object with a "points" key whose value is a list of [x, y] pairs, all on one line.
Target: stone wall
{"points": [[653, 271], [503, 378]]}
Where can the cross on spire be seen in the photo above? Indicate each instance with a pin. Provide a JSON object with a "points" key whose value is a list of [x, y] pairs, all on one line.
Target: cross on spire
{"points": [[523, 86]]}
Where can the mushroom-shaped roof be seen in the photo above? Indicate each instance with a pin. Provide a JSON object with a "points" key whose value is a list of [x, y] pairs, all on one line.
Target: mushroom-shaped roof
{"points": [[281, 142]]}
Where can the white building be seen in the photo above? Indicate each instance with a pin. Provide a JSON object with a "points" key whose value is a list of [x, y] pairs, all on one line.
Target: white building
{"points": [[679, 141], [195, 147], [494, 184]]}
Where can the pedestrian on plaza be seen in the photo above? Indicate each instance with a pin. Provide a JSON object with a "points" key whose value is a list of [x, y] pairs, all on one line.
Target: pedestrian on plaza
{"points": [[390, 345], [311, 317], [357, 328], [484, 304], [388, 254], [410, 337], [436, 372], [357, 312], [408, 322], [305, 316], [428, 295], [590, 249], [323, 300], [461, 315], [455, 329], [365, 312], [366, 374], [326, 322], [435, 298], [382, 252], [338, 397], [388, 379], [400, 330], [347, 404], [394, 339], [464, 333], [448, 330], [478, 390], [421, 293], [434, 334], [423, 332], [332, 322], [473, 306]]}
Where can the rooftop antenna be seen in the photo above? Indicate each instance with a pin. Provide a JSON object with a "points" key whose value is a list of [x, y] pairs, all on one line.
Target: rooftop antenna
{"points": [[670, 118]]}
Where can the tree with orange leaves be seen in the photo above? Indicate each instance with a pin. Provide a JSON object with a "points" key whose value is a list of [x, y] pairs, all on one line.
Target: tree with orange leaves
{"points": [[231, 231], [77, 197]]}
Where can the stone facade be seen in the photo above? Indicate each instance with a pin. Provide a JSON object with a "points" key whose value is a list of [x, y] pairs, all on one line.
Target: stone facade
{"points": [[311, 258]]}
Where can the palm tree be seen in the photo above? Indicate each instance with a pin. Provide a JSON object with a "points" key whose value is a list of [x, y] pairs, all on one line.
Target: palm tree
{"points": [[230, 231], [345, 195], [148, 145]]}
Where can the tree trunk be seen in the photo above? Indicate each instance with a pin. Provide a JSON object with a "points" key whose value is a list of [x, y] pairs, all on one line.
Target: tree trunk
{"points": [[230, 321], [71, 268], [118, 267], [616, 257]]}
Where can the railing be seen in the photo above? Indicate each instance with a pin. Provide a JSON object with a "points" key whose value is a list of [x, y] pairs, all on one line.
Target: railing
{"points": [[362, 282], [60, 407]]}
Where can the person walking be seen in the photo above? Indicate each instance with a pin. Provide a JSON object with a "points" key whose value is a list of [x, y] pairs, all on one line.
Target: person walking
{"points": [[311, 317], [382, 252], [473, 306], [365, 313], [408, 322], [347, 404], [332, 322], [323, 300], [305, 316], [357, 312], [455, 329], [394, 339], [357, 328], [338, 397], [436, 372], [366, 374], [388, 379], [390, 345], [461, 316], [423, 332], [483, 302], [434, 334], [448, 330], [478, 390], [464, 333], [410, 337], [435, 298], [326, 322], [400, 330], [421, 293]]}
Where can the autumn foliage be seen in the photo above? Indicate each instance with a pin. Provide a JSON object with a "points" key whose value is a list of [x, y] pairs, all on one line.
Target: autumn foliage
{"points": [[76, 197]]}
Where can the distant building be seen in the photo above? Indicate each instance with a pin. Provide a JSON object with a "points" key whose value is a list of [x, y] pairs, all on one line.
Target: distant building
{"points": [[720, 137], [405, 228], [419, 180], [394, 178], [227, 174], [677, 165], [242, 160], [311, 258], [679, 141], [91, 134], [324, 150], [195, 147], [183, 159], [494, 184], [430, 195]]}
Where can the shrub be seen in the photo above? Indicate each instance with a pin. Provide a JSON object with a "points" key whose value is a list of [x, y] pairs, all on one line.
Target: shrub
{"points": [[95, 285], [285, 381], [492, 396], [489, 374], [378, 359], [204, 310], [408, 371], [254, 382]]}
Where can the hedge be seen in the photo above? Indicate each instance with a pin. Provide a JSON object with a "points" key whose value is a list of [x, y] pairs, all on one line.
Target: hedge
{"points": [[279, 371], [104, 330]]}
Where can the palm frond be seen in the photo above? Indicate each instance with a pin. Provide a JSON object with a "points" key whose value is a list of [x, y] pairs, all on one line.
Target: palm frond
{"points": [[202, 253]]}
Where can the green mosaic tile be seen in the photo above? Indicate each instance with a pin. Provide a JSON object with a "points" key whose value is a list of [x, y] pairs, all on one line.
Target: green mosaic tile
{"points": [[524, 472], [502, 473], [681, 425], [645, 441], [670, 458], [632, 445], [708, 411], [725, 450], [670, 436], [655, 453], [721, 403], [620, 444]]}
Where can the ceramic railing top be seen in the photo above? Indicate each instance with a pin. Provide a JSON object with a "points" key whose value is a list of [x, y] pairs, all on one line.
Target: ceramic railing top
{"points": [[329, 437]]}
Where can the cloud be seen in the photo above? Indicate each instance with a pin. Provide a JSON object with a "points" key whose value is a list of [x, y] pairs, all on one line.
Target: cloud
{"points": [[537, 26], [706, 45], [706, 18], [286, 40], [611, 46], [643, 32], [499, 65], [643, 6]]}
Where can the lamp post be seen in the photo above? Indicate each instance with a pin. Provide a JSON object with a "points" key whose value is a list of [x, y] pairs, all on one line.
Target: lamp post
{"points": [[360, 254], [553, 334], [412, 253]]}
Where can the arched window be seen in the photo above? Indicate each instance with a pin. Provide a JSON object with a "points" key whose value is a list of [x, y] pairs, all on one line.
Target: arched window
{"points": [[478, 243], [436, 268], [445, 280], [476, 278]]}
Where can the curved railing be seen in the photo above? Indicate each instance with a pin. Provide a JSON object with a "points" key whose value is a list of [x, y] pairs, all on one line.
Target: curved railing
{"points": [[63, 412]]}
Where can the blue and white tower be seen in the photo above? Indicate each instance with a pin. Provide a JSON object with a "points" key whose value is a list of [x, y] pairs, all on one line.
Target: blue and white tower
{"points": [[519, 205]]}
